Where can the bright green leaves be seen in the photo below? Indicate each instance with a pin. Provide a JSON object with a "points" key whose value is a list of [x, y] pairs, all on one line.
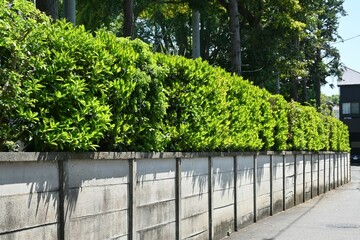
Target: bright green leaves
{"points": [[210, 110], [62, 89], [51, 97]]}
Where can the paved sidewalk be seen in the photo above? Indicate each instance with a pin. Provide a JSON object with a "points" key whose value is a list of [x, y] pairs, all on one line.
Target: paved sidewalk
{"points": [[331, 216]]}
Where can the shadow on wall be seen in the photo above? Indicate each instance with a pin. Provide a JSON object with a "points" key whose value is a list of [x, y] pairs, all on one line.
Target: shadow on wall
{"points": [[29, 195]]}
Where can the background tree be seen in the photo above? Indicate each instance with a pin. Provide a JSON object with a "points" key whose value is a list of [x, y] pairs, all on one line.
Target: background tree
{"points": [[282, 41], [50, 7]]}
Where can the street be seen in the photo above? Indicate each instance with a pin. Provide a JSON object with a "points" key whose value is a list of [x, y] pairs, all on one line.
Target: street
{"points": [[331, 216]]}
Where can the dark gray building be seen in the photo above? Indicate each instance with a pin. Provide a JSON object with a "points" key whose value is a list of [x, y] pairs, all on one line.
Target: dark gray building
{"points": [[350, 108]]}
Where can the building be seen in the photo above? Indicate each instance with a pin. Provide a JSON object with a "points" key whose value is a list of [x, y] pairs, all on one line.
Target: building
{"points": [[350, 108]]}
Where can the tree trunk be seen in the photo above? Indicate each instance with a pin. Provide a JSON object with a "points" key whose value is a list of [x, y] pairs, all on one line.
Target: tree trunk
{"points": [[235, 36], [70, 11], [305, 94], [181, 38], [195, 33], [294, 94], [128, 28], [318, 92], [317, 80], [204, 39], [50, 7]]}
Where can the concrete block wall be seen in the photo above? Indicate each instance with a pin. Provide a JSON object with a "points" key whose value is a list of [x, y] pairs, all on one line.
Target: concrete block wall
{"points": [[308, 176], [263, 187], [194, 206], [154, 197], [245, 190], [278, 183], [289, 181], [200, 196], [299, 179]]}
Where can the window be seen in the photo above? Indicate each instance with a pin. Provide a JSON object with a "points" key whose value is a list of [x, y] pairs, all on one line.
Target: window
{"points": [[351, 108], [355, 108], [346, 108]]}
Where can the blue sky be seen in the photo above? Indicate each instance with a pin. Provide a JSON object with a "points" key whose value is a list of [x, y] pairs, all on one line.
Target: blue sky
{"points": [[349, 49]]}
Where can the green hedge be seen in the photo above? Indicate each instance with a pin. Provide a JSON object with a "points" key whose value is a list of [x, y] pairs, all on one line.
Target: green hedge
{"points": [[62, 88]]}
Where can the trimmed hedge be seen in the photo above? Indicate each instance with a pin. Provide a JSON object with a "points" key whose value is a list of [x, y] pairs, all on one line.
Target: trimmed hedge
{"points": [[63, 89]]}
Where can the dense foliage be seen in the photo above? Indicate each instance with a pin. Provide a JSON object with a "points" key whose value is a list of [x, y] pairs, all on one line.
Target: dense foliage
{"points": [[62, 88], [282, 39]]}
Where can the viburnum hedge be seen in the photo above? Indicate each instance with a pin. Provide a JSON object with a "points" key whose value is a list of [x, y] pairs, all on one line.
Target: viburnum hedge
{"points": [[63, 89]]}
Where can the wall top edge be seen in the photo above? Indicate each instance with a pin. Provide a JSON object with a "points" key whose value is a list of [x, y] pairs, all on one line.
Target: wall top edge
{"points": [[60, 156]]}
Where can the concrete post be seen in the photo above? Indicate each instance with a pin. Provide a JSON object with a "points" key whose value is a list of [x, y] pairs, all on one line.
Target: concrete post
{"points": [[311, 175], [235, 164], [62, 187], [337, 170], [318, 174], [255, 187], [304, 177], [271, 186], [324, 156], [132, 199], [284, 182], [178, 198], [330, 171], [295, 177], [210, 197]]}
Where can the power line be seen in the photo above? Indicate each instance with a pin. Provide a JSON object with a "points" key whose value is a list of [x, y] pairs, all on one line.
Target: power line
{"points": [[346, 39]]}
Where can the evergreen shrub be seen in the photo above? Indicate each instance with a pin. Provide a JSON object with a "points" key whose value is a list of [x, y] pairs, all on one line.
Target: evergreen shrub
{"points": [[63, 89]]}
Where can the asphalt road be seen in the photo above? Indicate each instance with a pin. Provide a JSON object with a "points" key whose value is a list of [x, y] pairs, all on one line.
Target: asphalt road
{"points": [[331, 216]]}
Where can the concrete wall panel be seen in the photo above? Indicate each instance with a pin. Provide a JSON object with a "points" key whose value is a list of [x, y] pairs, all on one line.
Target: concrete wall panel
{"points": [[83, 173], [28, 210], [223, 196], [150, 192], [155, 169], [157, 214], [245, 163], [246, 193], [195, 198], [299, 177], [315, 170], [194, 167], [105, 225], [98, 199], [28, 177], [223, 221], [46, 232], [164, 231], [321, 174], [195, 227], [29, 199], [194, 205], [196, 185]]}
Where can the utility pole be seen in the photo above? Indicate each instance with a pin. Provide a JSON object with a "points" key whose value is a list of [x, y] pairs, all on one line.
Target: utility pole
{"points": [[70, 11], [195, 33]]}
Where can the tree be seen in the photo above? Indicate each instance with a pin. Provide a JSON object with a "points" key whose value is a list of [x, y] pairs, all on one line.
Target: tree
{"points": [[235, 36], [272, 43], [50, 7], [95, 14]]}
